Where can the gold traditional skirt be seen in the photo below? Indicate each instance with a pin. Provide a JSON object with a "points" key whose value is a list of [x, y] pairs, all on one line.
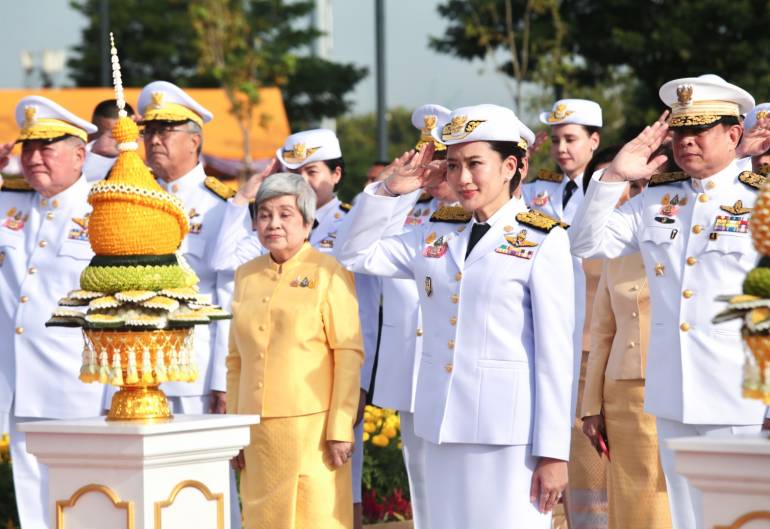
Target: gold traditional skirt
{"points": [[288, 481], [636, 485], [585, 502]]}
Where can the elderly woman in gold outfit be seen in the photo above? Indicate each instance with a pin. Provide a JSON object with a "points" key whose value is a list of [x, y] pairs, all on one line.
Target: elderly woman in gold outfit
{"points": [[294, 358]]}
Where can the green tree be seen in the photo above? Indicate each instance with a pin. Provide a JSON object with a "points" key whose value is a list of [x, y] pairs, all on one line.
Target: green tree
{"points": [[157, 40], [517, 31], [359, 145], [663, 40]]}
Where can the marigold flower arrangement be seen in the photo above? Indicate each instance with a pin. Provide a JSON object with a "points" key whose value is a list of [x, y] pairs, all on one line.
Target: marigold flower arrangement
{"points": [[386, 487]]}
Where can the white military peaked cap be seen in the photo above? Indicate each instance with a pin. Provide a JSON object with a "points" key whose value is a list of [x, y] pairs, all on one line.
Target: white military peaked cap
{"points": [[761, 111], [39, 118], [527, 136], [698, 101], [427, 118], [479, 123], [309, 146], [574, 111], [164, 101]]}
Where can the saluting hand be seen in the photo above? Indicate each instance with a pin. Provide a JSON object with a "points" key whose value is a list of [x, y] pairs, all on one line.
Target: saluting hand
{"points": [[755, 141], [248, 191], [637, 159], [408, 172], [5, 154], [548, 482]]}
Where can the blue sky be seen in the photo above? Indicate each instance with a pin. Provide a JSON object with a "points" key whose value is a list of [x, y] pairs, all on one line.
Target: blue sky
{"points": [[415, 74]]}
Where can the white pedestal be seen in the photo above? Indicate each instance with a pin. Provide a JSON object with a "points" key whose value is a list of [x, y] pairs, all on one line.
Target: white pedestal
{"points": [[733, 473], [165, 475]]}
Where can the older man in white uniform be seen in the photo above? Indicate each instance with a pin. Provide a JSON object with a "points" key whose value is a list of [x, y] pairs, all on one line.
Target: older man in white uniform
{"points": [[43, 249], [173, 137], [693, 384]]}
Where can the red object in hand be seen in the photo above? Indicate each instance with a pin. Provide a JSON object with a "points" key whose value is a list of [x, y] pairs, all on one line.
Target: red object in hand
{"points": [[604, 446]]}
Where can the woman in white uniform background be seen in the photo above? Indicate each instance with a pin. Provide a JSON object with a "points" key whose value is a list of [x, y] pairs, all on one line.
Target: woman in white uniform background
{"points": [[494, 384], [575, 126]]}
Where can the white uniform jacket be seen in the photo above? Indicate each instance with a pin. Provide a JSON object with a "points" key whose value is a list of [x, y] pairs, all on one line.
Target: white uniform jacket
{"points": [[238, 243], [401, 337], [205, 210], [43, 249], [693, 251], [497, 342], [546, 195]]}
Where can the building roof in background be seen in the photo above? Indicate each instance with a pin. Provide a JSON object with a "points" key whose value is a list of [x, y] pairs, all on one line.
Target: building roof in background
{"points": [[222, 136]]}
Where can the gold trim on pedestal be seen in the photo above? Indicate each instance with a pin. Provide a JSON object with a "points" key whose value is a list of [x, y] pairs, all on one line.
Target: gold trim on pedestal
{"points": [[219, 497], [93, 487], [746, 518], [139, 403]]}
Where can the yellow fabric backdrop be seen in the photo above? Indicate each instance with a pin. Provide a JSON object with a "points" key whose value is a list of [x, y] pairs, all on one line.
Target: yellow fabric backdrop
{"points": [[222, 135]]}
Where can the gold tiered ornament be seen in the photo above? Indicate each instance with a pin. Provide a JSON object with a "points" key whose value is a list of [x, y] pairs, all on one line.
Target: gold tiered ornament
{"points": [[138, 300], [753, 306]]}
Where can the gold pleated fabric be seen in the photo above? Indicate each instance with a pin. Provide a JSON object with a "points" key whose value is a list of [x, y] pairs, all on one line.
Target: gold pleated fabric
{"points": [[288, 481], [585, 500], [637, 486]]}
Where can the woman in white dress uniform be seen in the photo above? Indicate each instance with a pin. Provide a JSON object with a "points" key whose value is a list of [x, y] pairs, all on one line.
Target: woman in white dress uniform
{"points": [[494, 385]]}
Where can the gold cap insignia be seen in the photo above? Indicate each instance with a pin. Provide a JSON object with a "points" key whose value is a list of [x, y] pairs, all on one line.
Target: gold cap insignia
{"points": [[459, 128], [684, 95], [763, 114], [157, 100], [29, 115], [299, 153], [559, 113]]}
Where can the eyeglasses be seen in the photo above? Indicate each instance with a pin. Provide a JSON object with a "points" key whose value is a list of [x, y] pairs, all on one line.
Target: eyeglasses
{"points": [[162, 131]]}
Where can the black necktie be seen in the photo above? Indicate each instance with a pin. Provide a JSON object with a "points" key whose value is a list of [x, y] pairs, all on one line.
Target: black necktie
{"points": [[567, 193], [477, 232]]}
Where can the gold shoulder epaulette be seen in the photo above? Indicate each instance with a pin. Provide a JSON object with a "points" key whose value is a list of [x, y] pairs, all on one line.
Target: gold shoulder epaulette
{"points": [[344, 206], [539, 220], [754, 180], [550, 176], [452, 214], [667, 178], [425, 197], [219, 188], [18, 185]]}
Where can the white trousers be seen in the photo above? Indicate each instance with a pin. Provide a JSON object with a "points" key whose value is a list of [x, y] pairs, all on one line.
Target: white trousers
{"points": [[413, 448], [685, 500], [30, 480], [472, 486], [357, 465], [199, 405]]}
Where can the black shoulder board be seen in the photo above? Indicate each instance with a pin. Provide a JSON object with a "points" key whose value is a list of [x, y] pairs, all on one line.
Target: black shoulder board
{"points": [[425, 197], [18, 185], [550, 176], [667, 178], [344, 206], [219, 188], [539, 220], [754, 180], [451, 214]]}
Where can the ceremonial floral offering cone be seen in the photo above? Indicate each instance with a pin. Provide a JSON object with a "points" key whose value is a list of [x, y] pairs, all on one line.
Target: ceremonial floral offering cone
{"points": [[753, 306], [138, 299]]}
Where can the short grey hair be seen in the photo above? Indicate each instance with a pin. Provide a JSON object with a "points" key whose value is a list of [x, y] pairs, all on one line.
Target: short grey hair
{"points": [[281, 184], [194, 128]]}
